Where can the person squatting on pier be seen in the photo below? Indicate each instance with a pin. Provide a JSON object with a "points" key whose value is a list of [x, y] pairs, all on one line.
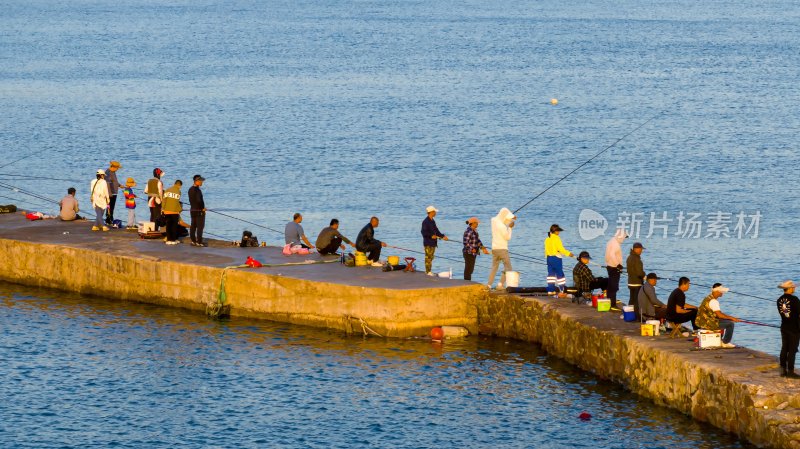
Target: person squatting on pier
{"points": [[711, 317], [472, 245], [553, 251], [614, 264], [68, 206], [368, 244], [584, 279], [430, 233], [789, 309], [502, 225], [100, 199], [330, 239], [197, 212], [293, 233]]}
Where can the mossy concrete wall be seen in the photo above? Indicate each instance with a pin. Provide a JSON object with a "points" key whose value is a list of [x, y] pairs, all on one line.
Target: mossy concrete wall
{"points": [[250, 292], [737, 390]]}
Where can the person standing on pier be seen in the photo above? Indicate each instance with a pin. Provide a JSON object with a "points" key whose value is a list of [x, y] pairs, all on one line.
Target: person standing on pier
{"points": [[554, 250], [472, 246], [502, 225], [368, 244], [614, 265], [330, 239], [69, 206], [113, 189], [172, 211], [130, 202], [711, 317], [99, 195], [197, 211], [293, 233], [636, 274], [789, 309], [430, 233], [155, 192]]}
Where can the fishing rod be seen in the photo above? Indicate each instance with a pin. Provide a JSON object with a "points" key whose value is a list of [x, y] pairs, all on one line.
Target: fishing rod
{"points": [[22, 177], [23, 158], [438, 257], [244, 221], [729, 291], [585, 163], [757, 323], [24, 192]]}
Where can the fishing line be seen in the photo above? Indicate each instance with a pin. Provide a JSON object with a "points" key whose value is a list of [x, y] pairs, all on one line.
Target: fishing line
{"points": [[729, 291], [24, 192], [23, 158], [244, 221], [758, 323], [590, 160], [22, 177]]}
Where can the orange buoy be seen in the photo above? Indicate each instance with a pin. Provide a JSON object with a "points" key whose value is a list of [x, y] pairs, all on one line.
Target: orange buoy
{"points": [[437, 334]]}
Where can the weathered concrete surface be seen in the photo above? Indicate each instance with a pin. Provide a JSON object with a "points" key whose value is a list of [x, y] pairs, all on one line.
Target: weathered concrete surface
{"points": [[117, 264], [738, 390]]}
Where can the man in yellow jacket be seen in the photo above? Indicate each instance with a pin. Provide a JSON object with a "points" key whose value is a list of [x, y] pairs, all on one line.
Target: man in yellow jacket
{"points": [[554, 250]]}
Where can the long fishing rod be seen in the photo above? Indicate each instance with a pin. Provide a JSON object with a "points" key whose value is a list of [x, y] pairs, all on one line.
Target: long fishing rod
{"points": [[24, 192], [590, 160], [23, 158], [244, 221], [729, 291], [757, 323], [22, 177]]}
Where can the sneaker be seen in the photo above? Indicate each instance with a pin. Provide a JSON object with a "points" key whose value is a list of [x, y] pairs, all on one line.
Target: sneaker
{"points": [[95, 228], [500, 286], [615, 309], [174, 242], [489, 286], [376, 264], [193, 243], [728, 345], [105, 228], [430, 274]]}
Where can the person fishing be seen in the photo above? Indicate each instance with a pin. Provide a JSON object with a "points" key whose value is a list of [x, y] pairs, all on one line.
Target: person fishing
{"points": [[293, 233], [636, 275], [650, 307], [100, 199], [502, 225], [113, 189], [197, 212], [678, 312], [614, 265], [789, 310], [554, 250], [368, 244], [711, 317], [472, 246], [172, 211], [68, 206], [330, 239], [430, 233], [155, 192], [584, 279]]}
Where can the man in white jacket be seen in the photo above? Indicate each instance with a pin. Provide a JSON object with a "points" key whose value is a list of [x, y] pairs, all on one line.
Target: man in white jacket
{"points": [[100, 199], [614, 264], [501, 234]]}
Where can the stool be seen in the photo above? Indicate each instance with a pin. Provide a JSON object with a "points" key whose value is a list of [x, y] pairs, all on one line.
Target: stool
{"points": [[676, 331]]}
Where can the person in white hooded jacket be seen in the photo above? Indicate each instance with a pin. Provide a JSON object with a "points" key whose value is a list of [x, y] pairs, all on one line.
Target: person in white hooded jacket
{"points": [[614, 264], [501, 234]]}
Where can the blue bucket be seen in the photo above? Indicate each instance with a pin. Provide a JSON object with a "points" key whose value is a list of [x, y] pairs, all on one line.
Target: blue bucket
{"points": [[628, 313]]}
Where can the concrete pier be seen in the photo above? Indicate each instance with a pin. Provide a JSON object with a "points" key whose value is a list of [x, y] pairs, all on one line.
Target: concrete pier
{"points": [[118, 264], [738, 390]]}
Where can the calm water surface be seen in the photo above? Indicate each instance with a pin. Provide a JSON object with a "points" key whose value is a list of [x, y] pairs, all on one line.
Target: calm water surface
{"points": [[88, 372]]}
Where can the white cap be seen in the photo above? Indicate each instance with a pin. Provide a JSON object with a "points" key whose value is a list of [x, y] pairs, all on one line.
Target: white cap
{"points": [[101, 172], [430, 209], [721, 289], [786, 285]]}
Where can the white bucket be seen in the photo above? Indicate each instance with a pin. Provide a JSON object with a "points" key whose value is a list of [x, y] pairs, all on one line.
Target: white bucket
{"points": [[512, 279], [446, 274], [656, 325]]}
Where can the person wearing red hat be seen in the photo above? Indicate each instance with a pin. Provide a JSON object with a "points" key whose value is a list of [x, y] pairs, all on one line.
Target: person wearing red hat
{"points": [[155, 193]]}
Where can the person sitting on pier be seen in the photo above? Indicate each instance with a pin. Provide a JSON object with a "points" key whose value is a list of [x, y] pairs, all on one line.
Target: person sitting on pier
{"points": [[293, 233], [710, 316], [368, 244], [330, 239], [584, 279], [650, 307], [69, 206], [678, 312]]}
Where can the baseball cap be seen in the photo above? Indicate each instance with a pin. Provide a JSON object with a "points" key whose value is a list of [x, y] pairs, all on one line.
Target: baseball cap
{"points": [[638, 245], [198, 178], [101, 172], [430, 209]]}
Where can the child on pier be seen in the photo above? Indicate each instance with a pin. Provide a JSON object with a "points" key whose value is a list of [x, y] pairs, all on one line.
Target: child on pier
{"points": [[130, 202]]}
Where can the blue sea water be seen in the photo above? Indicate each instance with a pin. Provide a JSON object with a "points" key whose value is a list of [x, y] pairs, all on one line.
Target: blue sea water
{"points": [[350, 109]]}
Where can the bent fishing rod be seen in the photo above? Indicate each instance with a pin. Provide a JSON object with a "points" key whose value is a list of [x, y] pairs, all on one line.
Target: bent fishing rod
{"points": [[587, 162], [244, 221]]}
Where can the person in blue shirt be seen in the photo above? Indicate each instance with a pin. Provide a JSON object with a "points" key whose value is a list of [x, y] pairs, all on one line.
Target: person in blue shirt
{"points": [[430, 233]]}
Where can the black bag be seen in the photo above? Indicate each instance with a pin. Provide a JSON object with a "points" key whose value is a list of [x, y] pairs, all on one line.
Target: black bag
{"points": [[248, 240], [9, 209]]}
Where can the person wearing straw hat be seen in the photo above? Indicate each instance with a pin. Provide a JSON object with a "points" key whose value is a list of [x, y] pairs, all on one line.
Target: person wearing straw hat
{"points": [[113, 189], [99, 196], [472, 246], [711, 317], [554, 250], [789, 309], [130, 202], [430, 233]]}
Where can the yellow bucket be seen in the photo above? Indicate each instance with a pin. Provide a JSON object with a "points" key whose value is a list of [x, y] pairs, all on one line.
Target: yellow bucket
{"points": [[393, 260], [648, 330]]}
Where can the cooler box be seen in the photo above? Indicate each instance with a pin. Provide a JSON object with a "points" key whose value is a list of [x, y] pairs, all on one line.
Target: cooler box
{"points": [[146, 226], [603, 305], [656, 326], [709, 339], [628, 313], [648, 330]]}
